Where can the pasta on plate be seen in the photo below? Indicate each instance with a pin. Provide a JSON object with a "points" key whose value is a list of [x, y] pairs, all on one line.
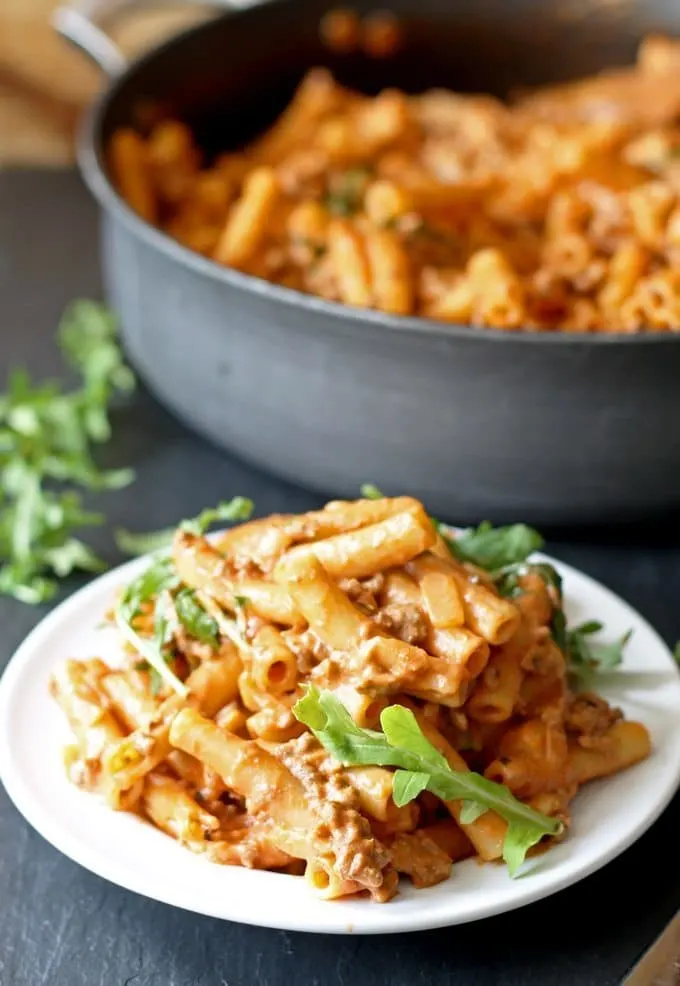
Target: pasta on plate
{"points": [[349, 694], [560, 210]]}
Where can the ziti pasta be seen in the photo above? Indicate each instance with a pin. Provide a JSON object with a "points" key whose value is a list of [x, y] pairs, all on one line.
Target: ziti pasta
{"points": [[557, 211], [351, 694]]}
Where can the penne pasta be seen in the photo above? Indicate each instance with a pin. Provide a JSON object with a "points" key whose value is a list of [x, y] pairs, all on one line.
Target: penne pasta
{"points": [[203, 567], [450, 838], [166, 802], [440, 591], [493, 618], [357, 554], [273, 664], [547, 213], [76, 688], [497, 691], [316, 661], [131, 173], [131, 698], [626, 744], [211, 685], [246, 225], [323, 604]]}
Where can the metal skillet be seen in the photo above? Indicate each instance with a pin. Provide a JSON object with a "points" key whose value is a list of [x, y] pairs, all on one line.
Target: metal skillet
{"points": [[547, 427]]}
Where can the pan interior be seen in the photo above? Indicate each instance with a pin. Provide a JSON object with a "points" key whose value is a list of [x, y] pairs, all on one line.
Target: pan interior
{"points": [[231, 77]]}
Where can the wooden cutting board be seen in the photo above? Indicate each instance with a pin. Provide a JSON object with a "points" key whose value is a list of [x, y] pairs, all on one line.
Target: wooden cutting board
{"points": [[45, 84]]}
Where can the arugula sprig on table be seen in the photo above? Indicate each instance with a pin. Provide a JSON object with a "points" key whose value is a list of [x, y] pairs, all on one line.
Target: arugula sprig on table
{"points": [[160, 586], [421, 767], [504, 554], [47, 435]]}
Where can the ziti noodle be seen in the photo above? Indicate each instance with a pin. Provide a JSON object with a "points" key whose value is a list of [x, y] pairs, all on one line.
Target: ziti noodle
{"points": [[350, 694], [558, 211]]}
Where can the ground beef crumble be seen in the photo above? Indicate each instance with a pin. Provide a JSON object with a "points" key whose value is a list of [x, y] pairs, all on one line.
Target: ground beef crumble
{"points": [[355, 853], [405, 622], [364, 592], [589, 718]]}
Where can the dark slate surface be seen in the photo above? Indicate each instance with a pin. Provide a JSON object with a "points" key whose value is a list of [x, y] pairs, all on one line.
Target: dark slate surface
{"points": [[61, 926]]}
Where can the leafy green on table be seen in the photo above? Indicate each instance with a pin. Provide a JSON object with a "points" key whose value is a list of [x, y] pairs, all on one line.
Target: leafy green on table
{"points": [[47, 435], [239, 508], [419, 767]]}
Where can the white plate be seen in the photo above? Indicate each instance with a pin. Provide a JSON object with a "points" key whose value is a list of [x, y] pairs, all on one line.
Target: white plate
{"points": [[608, 815]]}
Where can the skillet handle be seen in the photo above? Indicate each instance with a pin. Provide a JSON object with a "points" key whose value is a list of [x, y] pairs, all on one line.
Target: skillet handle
{"points": [[82, 24]]}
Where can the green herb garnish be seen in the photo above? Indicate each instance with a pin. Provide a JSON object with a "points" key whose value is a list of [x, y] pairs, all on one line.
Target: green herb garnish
{"points": [[370, 491], [586, 656], [508, 583], [158, 577], [421, 767], [676, 652], [195, 620], [239, 508], [152, 650], [46, 440], [493, 548], [159, 584], [345, 196]]}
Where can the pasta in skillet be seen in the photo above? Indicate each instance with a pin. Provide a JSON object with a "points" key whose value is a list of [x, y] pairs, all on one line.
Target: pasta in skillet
{"points": [[349, 694], [560, 210]]}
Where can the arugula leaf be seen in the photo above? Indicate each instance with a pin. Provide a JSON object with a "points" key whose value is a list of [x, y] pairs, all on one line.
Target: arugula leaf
{"points": [[46, 439], [507, 580], [239, 508], [195, 620], [371, 492], [401, 730], [676, 652], [492, 548], [143, 544], [70, 555], [407, 785], [160, 575], [156, 582], [87, 335], [586, 656], [558, 628], [471, 811], [421, 767]]}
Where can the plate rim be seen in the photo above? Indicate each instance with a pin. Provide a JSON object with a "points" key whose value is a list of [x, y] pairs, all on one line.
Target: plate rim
{"points": [[67, 842]]}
